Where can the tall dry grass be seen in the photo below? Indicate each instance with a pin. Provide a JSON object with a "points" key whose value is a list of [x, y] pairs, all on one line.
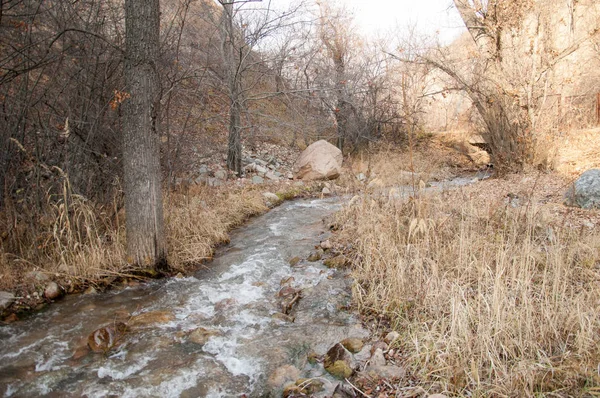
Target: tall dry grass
{"points": [[489, 301], [78, 243]]}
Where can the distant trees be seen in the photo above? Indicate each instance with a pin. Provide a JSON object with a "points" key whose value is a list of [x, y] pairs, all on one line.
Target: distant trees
{"points": [[146, 244]]}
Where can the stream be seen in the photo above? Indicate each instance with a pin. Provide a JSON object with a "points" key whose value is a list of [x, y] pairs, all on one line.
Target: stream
{"points": [[235, 299], [248, 348]]}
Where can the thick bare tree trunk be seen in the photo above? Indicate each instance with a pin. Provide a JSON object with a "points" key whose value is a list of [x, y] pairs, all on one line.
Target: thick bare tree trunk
{"points": [[143, 193], [234, 85]]}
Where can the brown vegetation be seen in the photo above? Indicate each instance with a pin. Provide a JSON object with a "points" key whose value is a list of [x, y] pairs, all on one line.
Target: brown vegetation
{"points": [[492, 287], [79, 243]]}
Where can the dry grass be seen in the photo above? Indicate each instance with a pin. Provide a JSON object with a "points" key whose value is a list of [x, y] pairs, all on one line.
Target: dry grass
{"points": [[386, 166], [579, 151], [490, 299], [201, 219], [78, 243]]}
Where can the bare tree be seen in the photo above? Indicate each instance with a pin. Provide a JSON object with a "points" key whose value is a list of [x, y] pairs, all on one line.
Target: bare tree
{"points": [[146, 244]]}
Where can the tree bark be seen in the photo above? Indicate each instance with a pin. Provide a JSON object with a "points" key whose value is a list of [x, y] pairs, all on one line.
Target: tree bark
{"points": [[234, 85], [146, 245]]}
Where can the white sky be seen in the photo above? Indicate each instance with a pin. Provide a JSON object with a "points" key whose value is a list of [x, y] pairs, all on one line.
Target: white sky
{"points": [[430, 16]]}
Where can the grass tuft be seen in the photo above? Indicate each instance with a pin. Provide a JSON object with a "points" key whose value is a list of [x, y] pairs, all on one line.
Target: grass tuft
{"points": [[489, 300]]}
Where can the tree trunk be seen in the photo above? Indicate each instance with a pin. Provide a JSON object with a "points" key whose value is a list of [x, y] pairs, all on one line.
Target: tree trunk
{"points": [[342, 105], [142, 176], [234, 85]]}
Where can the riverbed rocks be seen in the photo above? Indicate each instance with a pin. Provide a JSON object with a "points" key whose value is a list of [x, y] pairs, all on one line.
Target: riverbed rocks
{"points": [[320, 161], [52, 291], [271, 199], [585, 191], [282, 376], [288, 298], [303, 388], [151, 318], [315, 256], [6, 299], [106, 338], [201, 335], [294, 261], [338, 362], [353, 345]]}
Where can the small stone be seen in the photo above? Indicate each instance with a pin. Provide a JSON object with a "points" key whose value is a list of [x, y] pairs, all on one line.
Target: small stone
{"points": [[390, 372], [314, 358], [290, 176], [286, 280], [225, 304], [377, 359], [271, 176], [361, 177], [80, 352], [294, 261], [315, 256], [151, 317], [38, 276], [260, 169], [214, 182], [283, 375], [326, 191], [257, 180], [293, 391], [6, 299], [221, 174], [342, 391], [90, 290], [104, 339], [201, 336], [326, 245], [352, 344], [179, 275], [201, 180], [338, 362], [271, 197], [391, 337], [52, 291], [310, 386], [336, 262], [11, 318]]}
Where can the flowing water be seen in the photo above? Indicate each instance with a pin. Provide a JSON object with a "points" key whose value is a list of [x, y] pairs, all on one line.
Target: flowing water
{"points": [[235, 298]]}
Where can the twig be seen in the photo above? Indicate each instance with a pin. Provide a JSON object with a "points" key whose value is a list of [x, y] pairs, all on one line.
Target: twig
{"points": [[357, 389]]}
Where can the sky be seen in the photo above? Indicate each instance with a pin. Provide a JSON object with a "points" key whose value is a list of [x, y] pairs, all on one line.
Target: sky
{"points": [[430, 16], [375, 17]]}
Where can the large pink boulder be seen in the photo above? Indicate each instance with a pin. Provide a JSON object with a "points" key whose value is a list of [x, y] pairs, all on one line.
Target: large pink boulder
{"points": [[320, 161]]}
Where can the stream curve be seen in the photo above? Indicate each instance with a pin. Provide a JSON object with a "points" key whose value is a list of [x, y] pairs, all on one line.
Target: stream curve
{"points": [[234, 298]]}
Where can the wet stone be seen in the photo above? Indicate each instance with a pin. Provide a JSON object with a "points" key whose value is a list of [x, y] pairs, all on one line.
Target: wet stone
{"points": [[294, 261], [201, 336], [353, 345], [338, 362], [336, 262], [52, 291], [315, 256], [150, 318], [282, 376], [106, 338]]}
